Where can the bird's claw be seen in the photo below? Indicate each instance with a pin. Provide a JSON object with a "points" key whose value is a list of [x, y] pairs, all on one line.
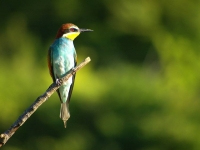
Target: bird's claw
{"points": [[58, 82], [73, 71]]}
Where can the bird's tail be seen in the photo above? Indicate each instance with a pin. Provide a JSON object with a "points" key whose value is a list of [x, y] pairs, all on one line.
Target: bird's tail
{"points": [[64, 113]]}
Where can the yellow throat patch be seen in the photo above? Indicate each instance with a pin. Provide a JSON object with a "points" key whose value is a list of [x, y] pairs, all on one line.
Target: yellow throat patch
{"points": [[71, 35]]}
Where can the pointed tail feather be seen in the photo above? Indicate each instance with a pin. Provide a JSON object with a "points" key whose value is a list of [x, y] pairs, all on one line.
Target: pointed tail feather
{"points": [[64, 112]]}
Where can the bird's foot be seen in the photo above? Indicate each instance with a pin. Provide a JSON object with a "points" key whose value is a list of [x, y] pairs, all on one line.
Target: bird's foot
{"points": [[58, 82], [74, 71]]}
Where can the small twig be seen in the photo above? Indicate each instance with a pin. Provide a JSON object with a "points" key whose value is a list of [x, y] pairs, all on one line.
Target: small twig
{"points": [[4, 137]]}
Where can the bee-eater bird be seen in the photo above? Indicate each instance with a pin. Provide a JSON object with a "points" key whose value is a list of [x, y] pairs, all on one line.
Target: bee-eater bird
{"points": [[61, 59]]}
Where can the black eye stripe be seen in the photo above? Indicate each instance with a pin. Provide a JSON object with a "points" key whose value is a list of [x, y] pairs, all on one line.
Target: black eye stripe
{"points": [[71, 30], [66, 31]]}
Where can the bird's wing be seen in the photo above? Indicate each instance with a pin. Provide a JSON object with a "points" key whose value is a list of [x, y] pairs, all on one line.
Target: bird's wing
{"points": [[50, 65], [73, 80]]}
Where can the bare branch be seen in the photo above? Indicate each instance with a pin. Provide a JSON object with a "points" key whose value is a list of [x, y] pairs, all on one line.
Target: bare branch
{"points": [[4, 137]]}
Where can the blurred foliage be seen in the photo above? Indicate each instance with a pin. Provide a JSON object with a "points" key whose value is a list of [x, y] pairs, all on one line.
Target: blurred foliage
{"points": [[141, 90]]}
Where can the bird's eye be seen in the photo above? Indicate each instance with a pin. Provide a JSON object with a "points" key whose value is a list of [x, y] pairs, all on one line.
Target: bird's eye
{"points": [[73, 30]]}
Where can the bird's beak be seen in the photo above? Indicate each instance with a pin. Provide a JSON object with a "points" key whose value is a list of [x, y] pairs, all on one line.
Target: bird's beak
{"points": [[85, 30]]}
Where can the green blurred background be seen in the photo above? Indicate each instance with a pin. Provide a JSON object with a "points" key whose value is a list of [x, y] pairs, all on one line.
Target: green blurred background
{"points": [[140, 91]]}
